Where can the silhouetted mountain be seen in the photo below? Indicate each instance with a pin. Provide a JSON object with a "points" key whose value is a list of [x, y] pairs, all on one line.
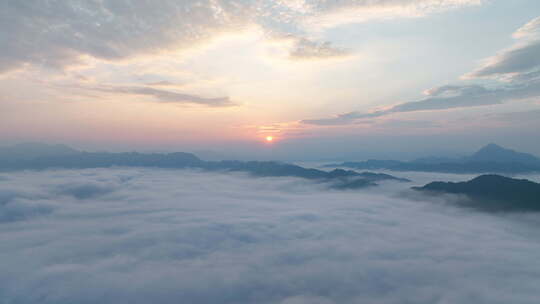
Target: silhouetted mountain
{"points": [[212, 155], [341, 179], [492, 192], [437, 160], [496, 153], [354, 180], [380, 176], [490, 159], [33, 150]]}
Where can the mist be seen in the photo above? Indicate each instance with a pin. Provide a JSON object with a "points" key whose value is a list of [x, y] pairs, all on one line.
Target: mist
{"points": [[133, 235]]}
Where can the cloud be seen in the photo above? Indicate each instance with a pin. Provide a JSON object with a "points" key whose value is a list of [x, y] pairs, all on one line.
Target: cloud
{"points": [[529, 30], [165, 95], [443, 98], [227, 238], [300, 48], [305, 49], [521, 58], [449, 97], [59, 34], [84, 190], [518, 68], [517, 59], [163, 83], [321, 13], [16, 206], [414, 124], [343, 119], [307, 300]]}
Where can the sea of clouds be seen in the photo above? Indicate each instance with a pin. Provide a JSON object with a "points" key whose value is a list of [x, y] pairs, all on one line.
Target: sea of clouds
{"points": [[131, 235]]}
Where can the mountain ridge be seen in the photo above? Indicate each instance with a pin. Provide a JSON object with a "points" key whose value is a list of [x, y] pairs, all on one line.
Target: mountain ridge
{"points": [[338, 178], [491, 192], [490, 158], [496, 153]]}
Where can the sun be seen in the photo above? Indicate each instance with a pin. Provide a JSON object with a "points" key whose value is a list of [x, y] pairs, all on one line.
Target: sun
{"points": [[269, 138]]}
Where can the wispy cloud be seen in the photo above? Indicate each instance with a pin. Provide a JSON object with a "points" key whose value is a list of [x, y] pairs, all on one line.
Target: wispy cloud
{"points": [[305, 49], [163, 83], [324, 14], [517, 67], [522, 58], [443, 98], [164, 95], [300, 48]]}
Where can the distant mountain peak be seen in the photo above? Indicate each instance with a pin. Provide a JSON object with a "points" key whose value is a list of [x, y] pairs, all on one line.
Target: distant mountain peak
{"points": [[495, 153], [491, 146]]}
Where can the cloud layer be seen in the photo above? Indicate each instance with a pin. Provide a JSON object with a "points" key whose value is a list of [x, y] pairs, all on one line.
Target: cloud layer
{"points": [[165, 95], [59, 34], [163, 236]]}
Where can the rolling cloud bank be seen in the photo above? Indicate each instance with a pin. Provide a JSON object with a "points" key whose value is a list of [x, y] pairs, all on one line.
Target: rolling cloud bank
{"points": [[140, 235]]}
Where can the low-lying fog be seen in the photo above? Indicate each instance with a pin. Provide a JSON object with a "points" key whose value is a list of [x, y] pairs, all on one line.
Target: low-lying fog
{"points": [[176, 236]]}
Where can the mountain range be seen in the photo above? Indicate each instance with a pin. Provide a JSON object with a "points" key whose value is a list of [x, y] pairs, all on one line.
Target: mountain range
{"points": [[42, 156], [492, 192], [491, 158]]}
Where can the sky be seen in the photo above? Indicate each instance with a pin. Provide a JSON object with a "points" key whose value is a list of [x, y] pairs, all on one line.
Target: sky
{"points": [[326, 79], [133, 235]]}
